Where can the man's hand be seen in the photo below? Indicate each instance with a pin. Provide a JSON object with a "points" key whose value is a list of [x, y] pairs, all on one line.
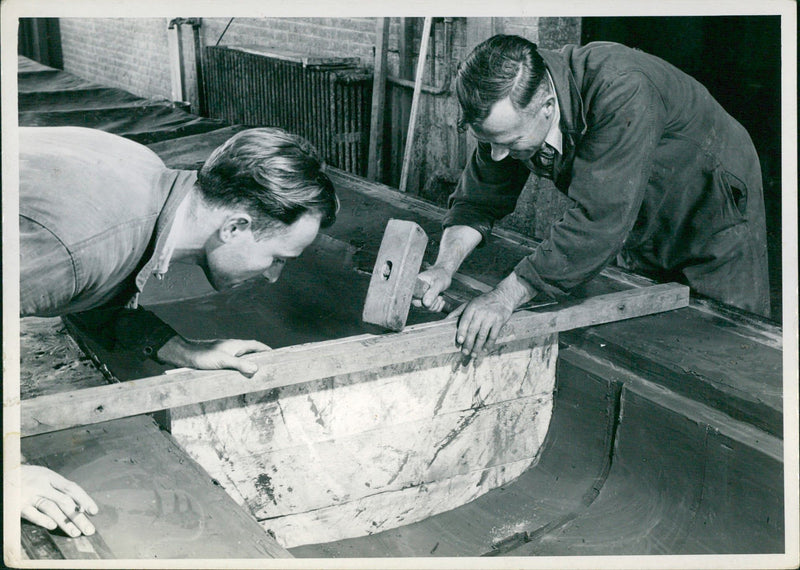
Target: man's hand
{"points": [[49, 500], [480, 320], [456, 244], [211, 354], [438, 280]]}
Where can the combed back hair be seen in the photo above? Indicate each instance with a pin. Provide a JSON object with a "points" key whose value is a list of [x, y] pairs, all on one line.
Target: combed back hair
{"points": [[273, 175], [502, 66]]}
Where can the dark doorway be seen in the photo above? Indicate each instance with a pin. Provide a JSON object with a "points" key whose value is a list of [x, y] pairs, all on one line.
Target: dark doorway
{"points": [[40, 40], [738, 58]]}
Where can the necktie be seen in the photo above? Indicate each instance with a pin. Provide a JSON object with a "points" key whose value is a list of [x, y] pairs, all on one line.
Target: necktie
{"points": [[544, 159]]}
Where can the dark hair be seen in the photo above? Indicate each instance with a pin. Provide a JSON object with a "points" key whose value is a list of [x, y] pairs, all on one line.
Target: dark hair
{"points": [[274, 175], [502, 66]]}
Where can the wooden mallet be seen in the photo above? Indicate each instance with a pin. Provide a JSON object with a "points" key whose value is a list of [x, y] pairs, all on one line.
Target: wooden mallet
{"points": [[394, 280]]}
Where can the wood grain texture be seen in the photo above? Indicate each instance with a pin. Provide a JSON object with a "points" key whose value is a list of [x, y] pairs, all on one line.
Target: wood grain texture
{"points": [[740, 373], [154, 500], [299, 364], [51, 361], [357, 454]]}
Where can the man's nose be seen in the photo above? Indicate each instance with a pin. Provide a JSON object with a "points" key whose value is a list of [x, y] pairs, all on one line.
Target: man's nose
{"points": [[273, 272], [499, 152]]}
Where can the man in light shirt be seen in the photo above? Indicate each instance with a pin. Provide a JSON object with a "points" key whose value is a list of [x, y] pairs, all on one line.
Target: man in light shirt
{"points": [[99, 215]]}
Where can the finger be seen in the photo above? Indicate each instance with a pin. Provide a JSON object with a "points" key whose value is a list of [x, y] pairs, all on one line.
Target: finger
{"points": [[81, 498], [52, 510], [82, 522], [248, 346], [416, 302], [38, 518], [438, 305], [491, 340], [463, 330], [470, 336], [430, 296], [480, 338]]}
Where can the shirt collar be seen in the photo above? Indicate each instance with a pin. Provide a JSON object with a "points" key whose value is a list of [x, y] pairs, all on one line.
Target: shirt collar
{"points": [[181, 183], [554, 137]]}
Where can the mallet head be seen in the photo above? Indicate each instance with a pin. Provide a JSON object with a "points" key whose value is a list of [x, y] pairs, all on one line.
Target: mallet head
{"points": [[394, 276]]}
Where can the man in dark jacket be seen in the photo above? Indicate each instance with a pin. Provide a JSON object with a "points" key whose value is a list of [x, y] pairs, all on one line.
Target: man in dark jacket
{"points": [[663, 180]]}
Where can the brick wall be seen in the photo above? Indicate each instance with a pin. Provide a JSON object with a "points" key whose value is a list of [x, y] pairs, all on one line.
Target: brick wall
{"points": [[337, 37], [128, 53]]}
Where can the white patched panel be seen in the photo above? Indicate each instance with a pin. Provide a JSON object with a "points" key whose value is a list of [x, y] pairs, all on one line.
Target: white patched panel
{"points": [[352, 455]]}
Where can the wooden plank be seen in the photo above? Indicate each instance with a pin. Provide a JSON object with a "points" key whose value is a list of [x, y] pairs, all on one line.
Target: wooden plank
{"points": [[375, 153], [154, 500], [299, 364], [412, 119], [175, 63]]}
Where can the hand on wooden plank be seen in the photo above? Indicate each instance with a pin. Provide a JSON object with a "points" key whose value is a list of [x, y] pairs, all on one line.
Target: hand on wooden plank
{"points": [[49, 500], [481, 320], [211, 354]]}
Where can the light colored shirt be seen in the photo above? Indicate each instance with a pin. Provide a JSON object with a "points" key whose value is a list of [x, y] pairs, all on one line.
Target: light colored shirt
{"points": [[95, 209], [554, 137]]}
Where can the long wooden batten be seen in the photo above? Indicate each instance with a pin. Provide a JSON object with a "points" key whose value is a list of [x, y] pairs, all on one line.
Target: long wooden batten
{"points": [[304, 363]]}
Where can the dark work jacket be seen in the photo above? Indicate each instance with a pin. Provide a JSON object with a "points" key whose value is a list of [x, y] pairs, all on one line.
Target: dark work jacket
{"points": [[654, 164], [94, 212]]}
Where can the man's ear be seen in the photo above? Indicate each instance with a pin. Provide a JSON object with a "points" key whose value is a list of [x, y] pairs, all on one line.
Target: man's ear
{"points": [[549, 105], [235, 226]]}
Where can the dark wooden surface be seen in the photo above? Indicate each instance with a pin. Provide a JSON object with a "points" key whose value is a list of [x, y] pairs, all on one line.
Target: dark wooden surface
{"points": [[155, 501]]}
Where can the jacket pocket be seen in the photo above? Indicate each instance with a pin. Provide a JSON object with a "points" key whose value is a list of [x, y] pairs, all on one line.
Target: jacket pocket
{"points": [[734, 193]]}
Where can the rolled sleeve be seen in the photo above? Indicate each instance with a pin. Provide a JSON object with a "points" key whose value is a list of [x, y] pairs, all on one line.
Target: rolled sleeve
{"points": [[486, 192]]}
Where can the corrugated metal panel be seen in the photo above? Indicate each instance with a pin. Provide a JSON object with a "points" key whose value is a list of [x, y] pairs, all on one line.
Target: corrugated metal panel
{"points": [[325, 100]]}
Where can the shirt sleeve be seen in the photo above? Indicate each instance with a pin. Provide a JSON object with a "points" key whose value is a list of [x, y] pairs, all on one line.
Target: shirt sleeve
{"points": [[486, 192], [609, 180], [46, 274]]}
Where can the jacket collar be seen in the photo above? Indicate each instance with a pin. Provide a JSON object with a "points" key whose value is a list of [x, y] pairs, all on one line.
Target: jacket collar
{"points": [[573, 119]]}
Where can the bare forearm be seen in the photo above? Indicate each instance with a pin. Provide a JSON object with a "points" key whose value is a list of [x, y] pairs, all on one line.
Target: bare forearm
{"points": [[514, 291], [457, 243]]}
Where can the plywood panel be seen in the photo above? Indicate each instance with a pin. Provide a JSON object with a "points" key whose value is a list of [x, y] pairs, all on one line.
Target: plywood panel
{"points": [[394, 446]]}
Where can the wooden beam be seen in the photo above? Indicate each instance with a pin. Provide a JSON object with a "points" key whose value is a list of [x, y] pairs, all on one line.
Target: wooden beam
{"points": [[315, 361], [412, 119], [375, 153]]}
